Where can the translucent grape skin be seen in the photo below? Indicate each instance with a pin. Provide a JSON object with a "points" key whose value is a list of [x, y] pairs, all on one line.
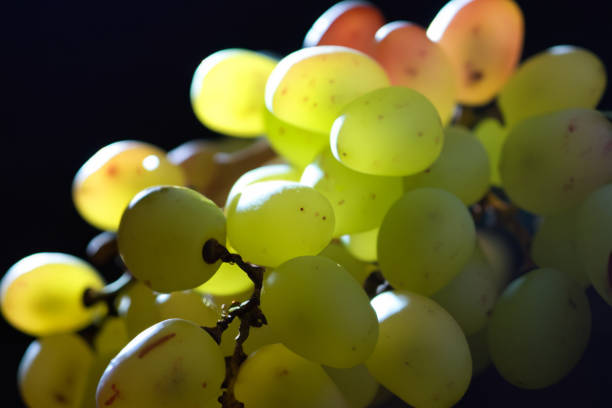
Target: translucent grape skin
{"points": [[424, 241], [539, 328], [42, 294], [162, 233], [339, 254], [356, 384], [227, 284], [492, 135], [300, 299], [188, 305], [550, 163], [138, 308], [362, 245], [105, 184], [408, 131]]}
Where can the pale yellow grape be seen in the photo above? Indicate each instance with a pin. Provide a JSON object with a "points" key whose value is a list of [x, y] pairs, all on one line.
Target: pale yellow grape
{"points": [[271, 222], [539, 328], [362, 245], [594, 239], [558, 78], [111, 336], [227, 91], [42, 294], [138, 308], [275, 377], [338, 253], [228, 338], [360, 201], [425, 240], [162, 233], [550, 163], [189, 305], [227, 284], [462, 167], [171, 364], [319, 311], [481, 360], [100, 361], [309, 87], [259, 337], [356, 384], [492, 135], [53, 371], [392, 131], [422, 355], [496, 249], [105, 184]]}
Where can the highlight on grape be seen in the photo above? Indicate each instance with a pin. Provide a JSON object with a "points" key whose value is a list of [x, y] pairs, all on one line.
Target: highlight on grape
{"points": [[339, 246]]}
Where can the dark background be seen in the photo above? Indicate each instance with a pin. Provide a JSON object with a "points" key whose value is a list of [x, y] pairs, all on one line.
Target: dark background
{"points": [[77, 75]]}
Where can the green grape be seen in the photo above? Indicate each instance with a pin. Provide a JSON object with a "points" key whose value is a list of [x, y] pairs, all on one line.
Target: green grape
{"points": [[339, 254], [112, 336], [492, 135], [393, 131], [53, 371], [228, 338], [227, 91], [138, 308], [189, 305], [273, 221], [42, 294], [319, 311], [539, 328], [309, 87], [462, 168], [259, 337], [425, 240], [594, 239], [550, 163], [99, 364], [275, 377], [360, 201], [422, 355], [555, 245], [356, 384], [481, 360], [495, 249], [558, 78], [171, 364], [105, 184], [162, 233], [227, 284], [362, 245]]}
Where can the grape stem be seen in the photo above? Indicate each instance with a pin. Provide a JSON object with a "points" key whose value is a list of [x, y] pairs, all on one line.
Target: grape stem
{"points": [[109, 293]]}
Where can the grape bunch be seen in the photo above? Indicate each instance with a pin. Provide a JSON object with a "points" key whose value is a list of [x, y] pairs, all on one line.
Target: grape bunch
{"points": [[340, 244]]}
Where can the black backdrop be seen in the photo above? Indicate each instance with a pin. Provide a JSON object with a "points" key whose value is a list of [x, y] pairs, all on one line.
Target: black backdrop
{"points": [[78, 75]]}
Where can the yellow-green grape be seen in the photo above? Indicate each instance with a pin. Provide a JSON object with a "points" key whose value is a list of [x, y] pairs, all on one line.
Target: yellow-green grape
{"points": [[425, 240], [462, 168], [356, 384], [300, 299], [309, 87], [228, 338], [497, 251], [594, 239], [112, 336], [99, 364], [362, 245], [297, 145], [174, 363], [558, 78], [105, 184], [360, 201], [492, 135], [227, 284], [189, 305], [393, 131], [422, 355], [138, 308], [162, 233], [555, 245], [539, 328], [275, 377], [339, 254], [470, 296], [259, 337], [273, 221], [53, 370], [481, 360], [550, 163], [42, 294], [227, 91]]}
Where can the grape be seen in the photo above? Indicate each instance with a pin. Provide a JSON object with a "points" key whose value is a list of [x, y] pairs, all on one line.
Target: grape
{"points": [[483, 39], [188, 305], [349, 23], [53, 370], [105, 184], [339, 254], [173, 363], [227, 284], [258, 338], [138, 308], [275, 377], [356, 384], [359, 200], [462, 168], [539, 328], [558, 78], [393, 131], [414, 61], [99, 364], [42, 294], [422, 355], [496, 250], [594, 239], [309, 87], [362, 245], [481, 360], [112, 336], [424, 241], [550, 163], [273, 221], [167, 226], [227, 91], [300, 300], [492, 135]]}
